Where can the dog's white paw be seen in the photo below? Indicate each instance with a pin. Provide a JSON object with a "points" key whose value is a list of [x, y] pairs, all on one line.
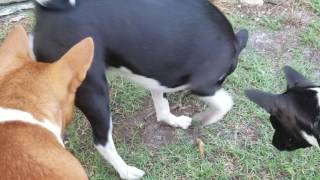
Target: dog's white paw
{"points": [[177, 121], [183, 122], [131, 172]]}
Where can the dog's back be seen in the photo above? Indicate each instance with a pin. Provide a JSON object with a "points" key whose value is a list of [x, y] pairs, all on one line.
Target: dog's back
{"points": [[143, 34]]}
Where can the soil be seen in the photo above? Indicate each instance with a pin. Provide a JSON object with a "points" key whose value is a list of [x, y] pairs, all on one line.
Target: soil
{"points": [[155, 135]]}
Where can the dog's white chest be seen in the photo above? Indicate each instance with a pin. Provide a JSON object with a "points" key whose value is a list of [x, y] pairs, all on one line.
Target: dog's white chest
{"points": [[148, 83]]}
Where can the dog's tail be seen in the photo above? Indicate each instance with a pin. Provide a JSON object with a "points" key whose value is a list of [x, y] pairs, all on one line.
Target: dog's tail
{"points": [[57, 4]]}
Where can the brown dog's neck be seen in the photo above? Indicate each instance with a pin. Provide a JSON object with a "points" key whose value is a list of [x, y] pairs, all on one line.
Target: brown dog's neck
{"points": [[39, 110], [8, 115], [23, 94]]}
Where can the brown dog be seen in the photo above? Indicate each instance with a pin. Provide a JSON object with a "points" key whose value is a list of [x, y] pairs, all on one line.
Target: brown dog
{"points": [[36, 103]]}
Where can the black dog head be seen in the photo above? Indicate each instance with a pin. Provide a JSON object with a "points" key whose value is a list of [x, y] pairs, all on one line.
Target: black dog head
{"points": [[295, 114]]}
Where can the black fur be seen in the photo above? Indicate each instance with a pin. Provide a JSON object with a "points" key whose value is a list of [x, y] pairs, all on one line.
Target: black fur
{"points": [[291, 112], [176, 42]]}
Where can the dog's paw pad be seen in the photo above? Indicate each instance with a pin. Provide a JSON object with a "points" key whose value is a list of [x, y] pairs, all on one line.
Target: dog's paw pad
{"points": [[132, 173]]}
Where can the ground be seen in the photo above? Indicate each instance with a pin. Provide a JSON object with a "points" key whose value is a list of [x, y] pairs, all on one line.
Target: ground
{"points": [[282, 32]]}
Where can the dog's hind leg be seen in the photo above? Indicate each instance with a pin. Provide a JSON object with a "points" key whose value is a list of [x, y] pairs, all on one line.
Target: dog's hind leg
{"points": [[92, 98], [219, 103], [206, 82], [163, 113]]}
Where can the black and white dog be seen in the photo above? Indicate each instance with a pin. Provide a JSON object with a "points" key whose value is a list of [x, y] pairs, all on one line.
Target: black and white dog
{"points": [[164, 45], [294, 114]]}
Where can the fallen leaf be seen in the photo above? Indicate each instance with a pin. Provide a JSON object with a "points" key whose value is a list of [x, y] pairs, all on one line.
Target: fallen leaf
{"points": [[200, 147]]}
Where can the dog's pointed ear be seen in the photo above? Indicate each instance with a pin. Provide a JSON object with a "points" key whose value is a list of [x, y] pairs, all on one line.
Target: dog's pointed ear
{"points": [[242, 37], [76, 62], [15, 50], [16, 44], [295, 79], [265, 100]]}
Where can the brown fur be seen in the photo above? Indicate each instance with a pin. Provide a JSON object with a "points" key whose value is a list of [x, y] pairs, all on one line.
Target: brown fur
{"points": [[47, 91]]}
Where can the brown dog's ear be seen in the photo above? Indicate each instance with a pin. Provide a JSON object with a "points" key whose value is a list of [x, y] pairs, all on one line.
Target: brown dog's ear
{"points": [[16, 44], [265, 100], [295, 79], [76, 62]]}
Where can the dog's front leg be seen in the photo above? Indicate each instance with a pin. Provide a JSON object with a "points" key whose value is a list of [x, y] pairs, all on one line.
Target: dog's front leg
{"points": [[163, 113], [109, 152], [92, 98]]}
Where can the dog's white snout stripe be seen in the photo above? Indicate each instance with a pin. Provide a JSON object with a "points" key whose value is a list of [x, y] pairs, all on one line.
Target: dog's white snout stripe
{"points": [[42, 2], [45, 2]]}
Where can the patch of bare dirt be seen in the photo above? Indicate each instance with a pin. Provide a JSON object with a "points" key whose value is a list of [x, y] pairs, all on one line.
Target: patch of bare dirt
{"points": [[274, 8], [157, 135], [281, 45], [247, 132], [274, 43], [153, 134], [295, 17], [24, 18]]}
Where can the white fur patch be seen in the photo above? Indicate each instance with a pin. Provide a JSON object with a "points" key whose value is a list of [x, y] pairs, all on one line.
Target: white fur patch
{"points": [[10, 115], [221, 102], [146, 82], [163, 113], [310, 139], [31, 43], [72, 2], [43, 2], [110, 153], [318, 94]]}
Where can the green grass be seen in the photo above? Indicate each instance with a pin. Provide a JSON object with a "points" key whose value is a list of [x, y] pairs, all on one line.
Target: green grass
{"points": [[269, 22], [238, 147], [123, 98], [315, 4], [312, 35], [272, 23]]}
